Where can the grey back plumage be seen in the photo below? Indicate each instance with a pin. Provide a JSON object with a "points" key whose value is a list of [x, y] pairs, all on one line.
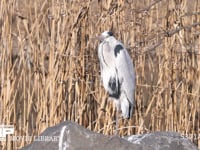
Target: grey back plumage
{"points": [[117, 72]]}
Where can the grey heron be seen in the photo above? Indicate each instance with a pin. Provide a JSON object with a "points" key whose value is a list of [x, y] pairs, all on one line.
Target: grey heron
{"points": [[117, 73]]}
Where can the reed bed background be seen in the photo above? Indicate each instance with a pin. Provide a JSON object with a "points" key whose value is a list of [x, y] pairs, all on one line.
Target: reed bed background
{"points": [[49, 69]]}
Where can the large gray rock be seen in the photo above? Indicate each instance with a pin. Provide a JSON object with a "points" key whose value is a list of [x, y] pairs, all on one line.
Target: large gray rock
{"points": [[162, 141], [71, 136]]}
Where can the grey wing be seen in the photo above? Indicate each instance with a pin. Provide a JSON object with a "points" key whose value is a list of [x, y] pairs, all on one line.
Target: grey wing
{"points": [[126, 73]]}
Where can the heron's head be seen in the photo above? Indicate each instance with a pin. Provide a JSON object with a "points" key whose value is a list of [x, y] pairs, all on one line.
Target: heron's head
{"points": [[105, 35]]}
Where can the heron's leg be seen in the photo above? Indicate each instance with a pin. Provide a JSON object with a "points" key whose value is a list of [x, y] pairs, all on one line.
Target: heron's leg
{"points": [[117, 122], [117, 106]]}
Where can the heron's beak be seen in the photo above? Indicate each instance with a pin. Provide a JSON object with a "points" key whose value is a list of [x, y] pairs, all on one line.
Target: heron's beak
{"points": [[99, 38]]}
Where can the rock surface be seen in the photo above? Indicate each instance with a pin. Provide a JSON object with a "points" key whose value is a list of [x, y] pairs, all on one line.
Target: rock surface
{"points": [[71, 136]]}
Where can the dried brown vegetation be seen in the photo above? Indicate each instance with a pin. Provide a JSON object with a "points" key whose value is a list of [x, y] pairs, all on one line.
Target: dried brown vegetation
{"points": [[49, 70]]}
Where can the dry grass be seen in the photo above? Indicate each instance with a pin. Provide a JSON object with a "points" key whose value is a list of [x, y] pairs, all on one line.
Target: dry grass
{"points": [[49, 70]]}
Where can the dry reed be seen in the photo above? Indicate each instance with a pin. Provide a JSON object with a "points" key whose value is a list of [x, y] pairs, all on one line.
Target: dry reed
{"points": [[49, 70]]}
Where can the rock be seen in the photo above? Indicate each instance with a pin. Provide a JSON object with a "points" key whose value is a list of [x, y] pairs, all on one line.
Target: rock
{"points": [[162, 141], [71, 136]]}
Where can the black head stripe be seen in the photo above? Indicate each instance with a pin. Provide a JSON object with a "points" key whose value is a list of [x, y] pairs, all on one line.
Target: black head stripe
{"points": [[110, 33]]}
